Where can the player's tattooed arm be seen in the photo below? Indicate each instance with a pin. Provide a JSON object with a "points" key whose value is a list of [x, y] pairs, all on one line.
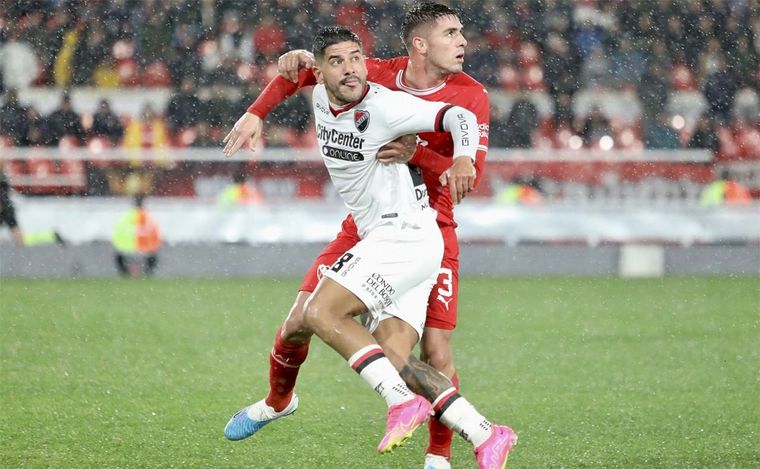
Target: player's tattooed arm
{"points": [[423, 379]]}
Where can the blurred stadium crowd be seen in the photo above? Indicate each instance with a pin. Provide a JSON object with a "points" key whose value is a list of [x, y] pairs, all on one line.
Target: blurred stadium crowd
{"points": [[215, 56]]}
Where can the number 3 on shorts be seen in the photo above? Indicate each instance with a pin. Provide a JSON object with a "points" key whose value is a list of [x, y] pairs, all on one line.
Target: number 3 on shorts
{"points": [[445, 286]]}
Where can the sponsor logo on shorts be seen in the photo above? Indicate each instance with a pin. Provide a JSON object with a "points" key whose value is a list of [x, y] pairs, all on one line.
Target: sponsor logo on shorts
{"points": [[445, 301], [379, 288], [340, 262]]}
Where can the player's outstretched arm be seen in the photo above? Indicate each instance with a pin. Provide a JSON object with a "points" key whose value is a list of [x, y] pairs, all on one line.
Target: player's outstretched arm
{"points": [[246, 131]]}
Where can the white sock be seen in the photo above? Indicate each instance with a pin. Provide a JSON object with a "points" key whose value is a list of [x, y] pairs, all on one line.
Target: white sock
{"points": [[375, 368], [458, 414]]}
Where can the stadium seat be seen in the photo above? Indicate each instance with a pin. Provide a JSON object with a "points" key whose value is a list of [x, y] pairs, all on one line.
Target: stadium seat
{"points": [[156, 74]]}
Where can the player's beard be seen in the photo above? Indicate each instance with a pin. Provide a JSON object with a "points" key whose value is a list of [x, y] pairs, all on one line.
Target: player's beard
{"points": [[343, 95]]}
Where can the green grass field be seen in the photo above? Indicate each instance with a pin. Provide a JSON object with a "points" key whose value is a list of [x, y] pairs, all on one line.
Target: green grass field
{"points": [[589, 372]]}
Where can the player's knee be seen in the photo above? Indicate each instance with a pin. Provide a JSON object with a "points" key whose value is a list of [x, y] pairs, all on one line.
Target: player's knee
{"points": [[315, 315], [295, 328]]}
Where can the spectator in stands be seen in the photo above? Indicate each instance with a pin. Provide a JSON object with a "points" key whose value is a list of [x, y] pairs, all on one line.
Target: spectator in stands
{"points": [[64, 121], [36, 129], [595, 72], [184, 60], [13, 122], [91, 50], [203, 137], [217, 108], [720, 92], [654, 88], [18, 62], [136, 240], [595, 127], [564, 115], [521, 123], [105, 123], [268, 40], [704, 135], [627, 63], [147, 131], [184, 108], [658, 134]]}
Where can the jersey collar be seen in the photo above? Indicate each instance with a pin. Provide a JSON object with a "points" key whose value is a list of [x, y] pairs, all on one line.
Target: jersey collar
{"points": [[413, 91]]}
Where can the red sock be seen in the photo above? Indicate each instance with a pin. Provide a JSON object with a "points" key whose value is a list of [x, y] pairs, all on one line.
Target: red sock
{"points": [[284, 363], [440, 435]]}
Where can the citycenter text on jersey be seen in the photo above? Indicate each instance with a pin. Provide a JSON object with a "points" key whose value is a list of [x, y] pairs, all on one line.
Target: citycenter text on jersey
{"points": [[347, 139]]}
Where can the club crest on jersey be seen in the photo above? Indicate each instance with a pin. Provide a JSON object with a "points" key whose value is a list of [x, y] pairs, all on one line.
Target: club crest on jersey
{"points": [[361, 120]]}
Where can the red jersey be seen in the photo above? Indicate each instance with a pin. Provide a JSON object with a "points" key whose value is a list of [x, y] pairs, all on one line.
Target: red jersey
{"points": [[435, 152]]}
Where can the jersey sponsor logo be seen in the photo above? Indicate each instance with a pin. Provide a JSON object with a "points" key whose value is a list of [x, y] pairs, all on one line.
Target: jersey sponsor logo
{"points": [[341, 154], [484, 129], [465, 130], [346, 139], [361, 120], [321, 108]]}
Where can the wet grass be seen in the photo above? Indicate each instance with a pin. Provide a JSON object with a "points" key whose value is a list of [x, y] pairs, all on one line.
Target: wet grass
{"points": [[589, 372]]}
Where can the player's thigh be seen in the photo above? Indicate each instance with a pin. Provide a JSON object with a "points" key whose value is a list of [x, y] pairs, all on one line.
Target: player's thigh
{"points": [[397, 338], [389, 262], [331, 301]]}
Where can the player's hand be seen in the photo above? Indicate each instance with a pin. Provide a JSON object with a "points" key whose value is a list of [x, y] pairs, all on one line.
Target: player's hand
{"points": [[400, 150], [460, 178], [290, 62], [246, 131]]}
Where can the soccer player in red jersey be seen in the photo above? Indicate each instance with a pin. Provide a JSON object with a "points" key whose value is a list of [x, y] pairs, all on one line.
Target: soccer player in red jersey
{"points": [[432, 33]]}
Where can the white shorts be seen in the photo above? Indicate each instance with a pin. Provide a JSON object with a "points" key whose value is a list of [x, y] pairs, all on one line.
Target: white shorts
{"points": [[392, 271]]}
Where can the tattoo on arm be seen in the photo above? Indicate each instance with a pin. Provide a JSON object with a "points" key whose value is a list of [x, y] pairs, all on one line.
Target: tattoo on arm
{"points": [[423, 379]]}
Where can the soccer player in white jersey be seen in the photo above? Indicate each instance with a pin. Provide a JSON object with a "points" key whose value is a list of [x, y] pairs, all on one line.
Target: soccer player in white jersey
{"points": [[388, 275]]}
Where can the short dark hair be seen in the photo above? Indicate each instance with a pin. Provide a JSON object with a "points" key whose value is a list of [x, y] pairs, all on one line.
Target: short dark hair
{"points": [[419, 14], [331, 35]]}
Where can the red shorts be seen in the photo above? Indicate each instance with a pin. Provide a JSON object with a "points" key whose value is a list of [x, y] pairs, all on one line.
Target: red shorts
{"points": [[442, 304]]}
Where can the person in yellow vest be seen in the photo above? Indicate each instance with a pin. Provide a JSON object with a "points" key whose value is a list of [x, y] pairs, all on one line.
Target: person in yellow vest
{"points": [[8, 217], [519, 193], [724, 191], [239, 193], [136, 239]]}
